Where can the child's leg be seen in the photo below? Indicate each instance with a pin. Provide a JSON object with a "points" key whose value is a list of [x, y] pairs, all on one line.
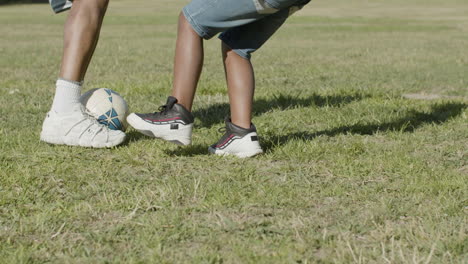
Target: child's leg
{"points": [[203, 19], [188, 63], [237, 46], [241, 85], [240, 138]]}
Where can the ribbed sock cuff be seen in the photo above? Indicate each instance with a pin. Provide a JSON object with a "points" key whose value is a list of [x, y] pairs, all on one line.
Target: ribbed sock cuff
{"points": [[67, 95], [65, 82]]}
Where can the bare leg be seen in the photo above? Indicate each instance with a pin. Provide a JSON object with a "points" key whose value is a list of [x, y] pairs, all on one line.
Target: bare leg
{"points": [[241, 85], [188, 63], [81, 36]]}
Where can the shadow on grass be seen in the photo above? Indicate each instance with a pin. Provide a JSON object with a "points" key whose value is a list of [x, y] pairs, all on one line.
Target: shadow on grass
{"points": [[214, 114], [188, 151], [438, 114], [133, 136]]}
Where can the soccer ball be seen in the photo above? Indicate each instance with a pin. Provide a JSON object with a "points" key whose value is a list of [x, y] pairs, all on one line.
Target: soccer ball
{"points": [[107, 106]]}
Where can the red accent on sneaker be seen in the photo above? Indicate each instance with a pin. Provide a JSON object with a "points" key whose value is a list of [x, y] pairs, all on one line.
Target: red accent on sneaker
{"points": [[226, 141], [163, 120]]}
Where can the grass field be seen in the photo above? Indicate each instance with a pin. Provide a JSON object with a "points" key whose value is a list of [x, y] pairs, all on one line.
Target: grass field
{"points": [[362, 109]]}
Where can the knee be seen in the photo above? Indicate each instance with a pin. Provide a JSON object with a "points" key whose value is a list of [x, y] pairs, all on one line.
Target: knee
{"points": [[185, 26], [183, 21]]}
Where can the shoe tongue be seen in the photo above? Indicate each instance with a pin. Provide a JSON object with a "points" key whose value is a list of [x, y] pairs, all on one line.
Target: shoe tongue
{"points": [[171, 101]]}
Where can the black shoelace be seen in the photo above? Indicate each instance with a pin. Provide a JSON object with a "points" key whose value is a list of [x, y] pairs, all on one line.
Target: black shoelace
{"points": [[163, 109]]}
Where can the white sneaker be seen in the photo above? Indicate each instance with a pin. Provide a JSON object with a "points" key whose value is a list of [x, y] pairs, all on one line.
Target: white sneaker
{"points": [[77, 128], [237, 141]]}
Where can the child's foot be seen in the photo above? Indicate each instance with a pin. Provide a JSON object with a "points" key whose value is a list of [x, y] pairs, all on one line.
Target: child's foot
{"points": [[237, 141], [173, 123], [76, 128]]}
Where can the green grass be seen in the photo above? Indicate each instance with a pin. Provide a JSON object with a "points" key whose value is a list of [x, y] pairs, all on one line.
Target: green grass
{"points": [[362, 111]]}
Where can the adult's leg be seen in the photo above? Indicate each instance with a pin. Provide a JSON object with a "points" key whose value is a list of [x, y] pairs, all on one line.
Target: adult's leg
{"points": [[81, 35], [188, 63], [66, 123]]}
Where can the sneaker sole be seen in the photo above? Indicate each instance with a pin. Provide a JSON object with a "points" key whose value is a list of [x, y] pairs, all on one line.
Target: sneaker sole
{"points": [[239, 154], [180, 137], [54, 140]]}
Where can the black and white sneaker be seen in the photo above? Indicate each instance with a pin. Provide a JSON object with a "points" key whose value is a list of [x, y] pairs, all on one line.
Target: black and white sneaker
{"points": [[173, 123], [237, 141]]}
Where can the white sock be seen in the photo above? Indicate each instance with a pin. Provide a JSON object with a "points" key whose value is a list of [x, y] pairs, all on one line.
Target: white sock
{"points": [[67, 96]]}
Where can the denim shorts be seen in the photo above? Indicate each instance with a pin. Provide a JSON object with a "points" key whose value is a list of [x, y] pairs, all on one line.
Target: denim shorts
{"points": [[60, 5], [245, 25]]}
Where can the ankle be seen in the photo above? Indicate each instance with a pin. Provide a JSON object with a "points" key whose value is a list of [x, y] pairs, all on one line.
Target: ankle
{"points": [[67, 95], [242, 124], [186, 106]]}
